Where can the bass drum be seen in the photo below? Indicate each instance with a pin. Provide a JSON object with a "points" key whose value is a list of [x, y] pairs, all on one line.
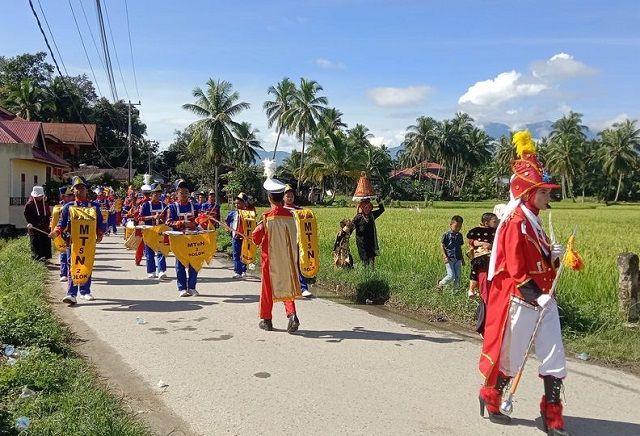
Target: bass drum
{"points": [[129, 228]]}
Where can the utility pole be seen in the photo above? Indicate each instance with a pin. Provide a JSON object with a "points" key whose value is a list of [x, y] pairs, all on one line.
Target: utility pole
{"points": [[129, 141]]}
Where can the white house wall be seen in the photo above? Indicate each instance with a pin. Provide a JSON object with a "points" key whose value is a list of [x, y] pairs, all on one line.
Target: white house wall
{"points": [[16, 159]]}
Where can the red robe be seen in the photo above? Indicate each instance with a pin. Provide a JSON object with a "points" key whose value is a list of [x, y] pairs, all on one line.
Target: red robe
{"points": [[519, 259], [280, 280]]}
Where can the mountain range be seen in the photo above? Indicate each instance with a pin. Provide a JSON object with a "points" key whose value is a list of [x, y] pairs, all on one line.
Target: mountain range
{"points": [[494, 130]]}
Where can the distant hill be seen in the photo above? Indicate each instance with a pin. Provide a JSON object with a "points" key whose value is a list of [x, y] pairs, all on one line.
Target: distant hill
{"points": [[538, 130], [280, 156]]}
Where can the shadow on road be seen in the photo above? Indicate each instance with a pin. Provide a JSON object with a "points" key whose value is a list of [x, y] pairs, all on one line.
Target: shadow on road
{"points": [[599, 427], [370, 335], [183, 305]]}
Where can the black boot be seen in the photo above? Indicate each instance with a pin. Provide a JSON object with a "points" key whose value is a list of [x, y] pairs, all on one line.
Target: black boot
{"points": [[551, 407], [491, 399]]}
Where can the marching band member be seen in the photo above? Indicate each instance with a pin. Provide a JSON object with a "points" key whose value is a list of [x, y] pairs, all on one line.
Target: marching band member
{"points": [[181, 216], [277, 235], [151, 214], [211, 209], [522, 269], [145, 196], [101, 199], [64, 227], [112, 199], [66, 195], [289, 199], [233, 224]]}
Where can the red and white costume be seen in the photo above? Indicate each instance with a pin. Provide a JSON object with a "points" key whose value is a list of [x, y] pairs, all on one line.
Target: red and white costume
{"points": [[277, 235]]}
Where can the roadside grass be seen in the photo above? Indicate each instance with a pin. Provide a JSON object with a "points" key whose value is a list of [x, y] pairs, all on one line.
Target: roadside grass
{"points": [[69, 399], [409, 266]]}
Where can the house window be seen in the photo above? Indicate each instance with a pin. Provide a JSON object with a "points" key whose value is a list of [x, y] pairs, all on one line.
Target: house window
{"points": [[35, 180], [23, 181], [48, 176]]}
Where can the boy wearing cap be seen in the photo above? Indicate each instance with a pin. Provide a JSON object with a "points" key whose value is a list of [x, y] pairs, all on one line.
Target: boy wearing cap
{"points": [[181, 216], [233, 224], [521, 303], [37, 213], [66, 195], [289, 199], [81, 193], [211, 209], [277, 235], [151, 215]]}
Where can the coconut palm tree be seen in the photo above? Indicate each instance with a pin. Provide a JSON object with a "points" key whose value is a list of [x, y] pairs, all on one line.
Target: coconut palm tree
{"points": [[566, 141], [306, 110], [213, 132], [27, 101], [421, 141], [619, 152], [278, 108], [246, 144], [331, 120]]}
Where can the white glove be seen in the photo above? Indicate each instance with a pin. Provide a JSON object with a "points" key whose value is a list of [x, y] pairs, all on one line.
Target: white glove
{"points": [[557, 250], [543, 300]]}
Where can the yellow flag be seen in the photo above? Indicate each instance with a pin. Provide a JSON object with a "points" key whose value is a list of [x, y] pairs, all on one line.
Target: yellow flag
{"points": [[154, 238], [83, 242], [307, 242], [190, 250], [212, 245], [58, 242], [248, 252]]}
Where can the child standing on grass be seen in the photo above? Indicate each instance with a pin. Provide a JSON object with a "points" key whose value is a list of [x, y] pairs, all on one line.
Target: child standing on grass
{"points": [[451, 247], [481, 240]]}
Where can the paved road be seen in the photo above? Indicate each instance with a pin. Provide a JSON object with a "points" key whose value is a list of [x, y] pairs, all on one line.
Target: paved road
{"points": [[346, 372]]}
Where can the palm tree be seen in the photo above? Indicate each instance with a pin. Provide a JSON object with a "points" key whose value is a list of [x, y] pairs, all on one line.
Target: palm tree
{"points": [[421, 141], [277, 109], [332, 158], [217, 107], [331, 120], [246, 144], [564, 154], [504, 154], [306, 109], [27, 101], [619, 152]]}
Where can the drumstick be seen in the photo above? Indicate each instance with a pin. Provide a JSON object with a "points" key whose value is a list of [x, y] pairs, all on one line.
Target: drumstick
{"points": [[30, 227]]}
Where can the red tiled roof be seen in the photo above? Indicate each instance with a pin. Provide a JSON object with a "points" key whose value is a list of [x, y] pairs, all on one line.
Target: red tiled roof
{"points": [[49, 158], [6, 115], [19, 132], [71, 133], [94, 173], [413, 172]]}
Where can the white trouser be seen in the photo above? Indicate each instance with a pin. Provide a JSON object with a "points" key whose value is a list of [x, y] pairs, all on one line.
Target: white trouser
{"points": [[548, 341]]}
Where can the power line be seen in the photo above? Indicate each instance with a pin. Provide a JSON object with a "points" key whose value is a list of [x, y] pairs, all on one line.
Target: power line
{"points": [[115, 51], [35, 14], [95, 45], [85, 49], [105, 49], [133, 65]]}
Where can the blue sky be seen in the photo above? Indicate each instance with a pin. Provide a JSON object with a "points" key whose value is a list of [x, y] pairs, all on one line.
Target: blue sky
{"points": [[381, 63]]}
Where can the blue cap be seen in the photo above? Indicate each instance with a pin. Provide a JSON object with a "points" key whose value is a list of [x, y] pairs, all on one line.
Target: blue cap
{"points": [[180, 183], [243, 197], [78, 180]]}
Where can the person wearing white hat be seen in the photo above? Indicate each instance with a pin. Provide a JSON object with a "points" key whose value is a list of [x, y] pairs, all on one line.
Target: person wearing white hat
{"points": [[277, 235], [38, 214]]}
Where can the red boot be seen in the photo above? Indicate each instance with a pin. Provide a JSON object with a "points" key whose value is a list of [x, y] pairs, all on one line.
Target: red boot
{"points": [[490, 397], [551, 409]]}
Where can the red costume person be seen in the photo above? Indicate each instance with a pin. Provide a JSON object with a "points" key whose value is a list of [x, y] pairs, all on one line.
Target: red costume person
{"points": [[277, 235], [522, 269]]}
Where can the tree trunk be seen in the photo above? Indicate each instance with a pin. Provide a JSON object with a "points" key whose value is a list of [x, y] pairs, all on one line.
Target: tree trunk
{"points": [[215, 177], [618, 190], [276, 147], [301, 163]]}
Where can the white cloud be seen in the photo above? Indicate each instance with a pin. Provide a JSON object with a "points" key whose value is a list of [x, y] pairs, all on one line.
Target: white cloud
{"points": [[505, 87], [398, 97], [517, 98], [600, 125], [560, 67], [327, 64]]}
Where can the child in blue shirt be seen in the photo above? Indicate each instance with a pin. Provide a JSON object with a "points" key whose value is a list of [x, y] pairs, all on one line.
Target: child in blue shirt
{"points": [[451, 247]]}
